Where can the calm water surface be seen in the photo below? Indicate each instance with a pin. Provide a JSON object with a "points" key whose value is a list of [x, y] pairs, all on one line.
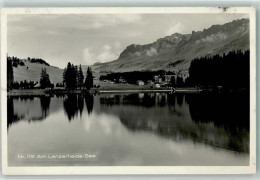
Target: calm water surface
{"points": [[130, 129]]}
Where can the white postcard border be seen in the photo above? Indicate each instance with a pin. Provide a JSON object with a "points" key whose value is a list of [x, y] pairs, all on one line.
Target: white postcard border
{"points": [[69, 170]]}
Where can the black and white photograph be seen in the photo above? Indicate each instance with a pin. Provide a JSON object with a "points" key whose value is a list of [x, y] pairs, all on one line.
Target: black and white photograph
{"points": [[127, 87]]}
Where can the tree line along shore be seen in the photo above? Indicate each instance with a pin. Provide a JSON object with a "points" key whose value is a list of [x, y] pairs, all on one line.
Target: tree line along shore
{"points": [[227, 72]]}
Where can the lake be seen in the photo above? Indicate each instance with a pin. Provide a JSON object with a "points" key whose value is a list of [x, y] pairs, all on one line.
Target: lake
{"points": [[142, 129]]}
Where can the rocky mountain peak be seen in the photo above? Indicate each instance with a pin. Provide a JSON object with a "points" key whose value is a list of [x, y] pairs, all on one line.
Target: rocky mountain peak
{"points": [[217, 39]]}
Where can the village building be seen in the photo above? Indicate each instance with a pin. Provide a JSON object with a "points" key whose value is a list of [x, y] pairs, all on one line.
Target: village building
{"points": [[156, 79], [157, 85], [167, 78], [140, 83], [121, 80]]}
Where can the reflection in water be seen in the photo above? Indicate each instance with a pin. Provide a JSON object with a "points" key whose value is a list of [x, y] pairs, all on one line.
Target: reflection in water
{"points": [[146, 100], [11, 116], [80, 104], [180, 99], [26, 107], [213, 120], [230, 111], [89, 99], [71, 105], [74, 103], [45, 104], [192, 120]]}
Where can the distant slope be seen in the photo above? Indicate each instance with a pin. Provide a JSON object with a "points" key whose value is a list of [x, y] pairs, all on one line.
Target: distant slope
{"points": [[175, 52], [33, 73]]}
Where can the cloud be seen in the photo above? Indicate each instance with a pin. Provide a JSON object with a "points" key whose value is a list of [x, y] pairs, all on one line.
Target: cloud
{"points": [[175, 28], [123, 18], [105, 54], [99, 21], [117, 45], [88, 56], [152, 52], [66, 23], [97, 25], [208, 39], [107, 122], [133, 34], [212, 38], [137, 53]]}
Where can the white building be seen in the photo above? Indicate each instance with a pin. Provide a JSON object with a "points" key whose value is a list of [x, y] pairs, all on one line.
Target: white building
{"points": [[157, 85], [140, 83]]}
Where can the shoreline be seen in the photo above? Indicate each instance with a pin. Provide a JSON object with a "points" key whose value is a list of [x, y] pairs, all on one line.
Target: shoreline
{"points": [[39, 92], [182, 90]]}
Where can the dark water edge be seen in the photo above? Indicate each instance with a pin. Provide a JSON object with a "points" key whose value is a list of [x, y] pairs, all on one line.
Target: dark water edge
{"points": [[217, 120], [137, 89]]}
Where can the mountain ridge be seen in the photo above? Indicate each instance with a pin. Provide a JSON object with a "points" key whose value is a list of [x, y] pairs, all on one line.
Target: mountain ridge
{"points": [[217, 39]]}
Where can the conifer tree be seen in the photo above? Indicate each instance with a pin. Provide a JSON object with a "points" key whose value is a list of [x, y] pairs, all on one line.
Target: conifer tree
{"points": [[180, 81], [80, 77], [172, 81], [10, 74], [70, 76], [45, 79], [229, 70], [89, 79]]}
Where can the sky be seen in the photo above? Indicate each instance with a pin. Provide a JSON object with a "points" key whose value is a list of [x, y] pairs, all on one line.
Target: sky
{"points": [[90, 38]]}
